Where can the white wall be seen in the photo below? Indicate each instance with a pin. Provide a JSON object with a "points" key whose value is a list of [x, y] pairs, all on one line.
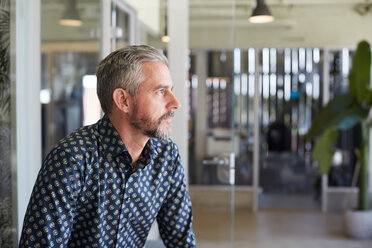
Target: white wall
{"points": [[178, 55], [26, 117]]}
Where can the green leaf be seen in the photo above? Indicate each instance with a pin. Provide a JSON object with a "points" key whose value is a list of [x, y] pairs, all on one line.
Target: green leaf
{"points": [[350, 117], [323, 152], [359, 77], [330, 115]]}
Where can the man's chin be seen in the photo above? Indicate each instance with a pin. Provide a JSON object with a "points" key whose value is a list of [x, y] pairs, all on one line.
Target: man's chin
{"points": [[158, 134], [163, 132]]}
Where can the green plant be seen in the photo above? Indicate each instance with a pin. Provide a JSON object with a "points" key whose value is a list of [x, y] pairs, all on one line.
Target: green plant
{"points": [[346, 111]]}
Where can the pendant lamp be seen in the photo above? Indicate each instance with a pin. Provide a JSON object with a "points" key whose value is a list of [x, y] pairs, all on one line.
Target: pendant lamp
{"points": [[261, 13], [70, 16]]}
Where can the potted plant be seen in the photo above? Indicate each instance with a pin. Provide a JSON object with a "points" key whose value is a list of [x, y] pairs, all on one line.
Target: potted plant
{"points": [[341, 113]]}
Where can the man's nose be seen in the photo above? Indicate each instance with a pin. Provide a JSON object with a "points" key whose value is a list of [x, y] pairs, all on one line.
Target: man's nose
{"points": [[174, 103]]}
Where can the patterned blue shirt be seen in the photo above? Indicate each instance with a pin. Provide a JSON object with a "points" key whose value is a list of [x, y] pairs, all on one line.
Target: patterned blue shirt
{"points": [[88, 195]]}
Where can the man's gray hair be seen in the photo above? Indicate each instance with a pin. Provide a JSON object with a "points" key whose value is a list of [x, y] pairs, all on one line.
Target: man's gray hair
{"points": [[123, 69]]}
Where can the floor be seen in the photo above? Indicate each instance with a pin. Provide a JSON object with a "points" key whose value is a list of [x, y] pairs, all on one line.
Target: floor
{"points": [[273, 229], [289, 202]]}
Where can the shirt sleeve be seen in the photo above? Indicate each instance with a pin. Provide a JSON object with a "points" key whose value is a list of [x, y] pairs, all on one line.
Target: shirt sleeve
{"points": [[175, 216], [50, 212]]}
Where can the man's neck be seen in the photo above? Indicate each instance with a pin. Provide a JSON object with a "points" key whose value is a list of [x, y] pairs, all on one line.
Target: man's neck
{"points": [[133, 139]]}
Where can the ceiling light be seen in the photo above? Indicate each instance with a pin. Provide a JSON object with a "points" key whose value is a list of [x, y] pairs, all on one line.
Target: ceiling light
{"points": [[70, 16], [261, 13], [165, 38]]}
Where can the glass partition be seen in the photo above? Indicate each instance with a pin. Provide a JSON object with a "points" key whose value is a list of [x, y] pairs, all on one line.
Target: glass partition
{"points": [[218, 125], [253, 91], [291, 93], [70, 55], [63, 93]]}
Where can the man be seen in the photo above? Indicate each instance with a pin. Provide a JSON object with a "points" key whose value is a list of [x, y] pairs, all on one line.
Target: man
{"points": [[105, 184]]}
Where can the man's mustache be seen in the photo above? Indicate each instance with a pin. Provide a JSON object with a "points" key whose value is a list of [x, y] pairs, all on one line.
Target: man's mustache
{"points": [[166, 115]]}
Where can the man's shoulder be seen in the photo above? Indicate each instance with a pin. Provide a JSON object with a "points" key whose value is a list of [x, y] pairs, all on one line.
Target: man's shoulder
{"points": [[81, 140]]}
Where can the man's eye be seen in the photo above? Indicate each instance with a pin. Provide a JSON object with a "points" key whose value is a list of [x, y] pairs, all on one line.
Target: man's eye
{"points": [[161, 92]]}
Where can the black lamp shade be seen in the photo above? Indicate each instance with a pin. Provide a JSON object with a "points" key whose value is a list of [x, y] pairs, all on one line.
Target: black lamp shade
{"points": [[70, 16], [261, 13]]}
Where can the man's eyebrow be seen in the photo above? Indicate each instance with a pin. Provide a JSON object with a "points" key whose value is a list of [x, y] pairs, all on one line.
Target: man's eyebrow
{"points": [[163, 86]]}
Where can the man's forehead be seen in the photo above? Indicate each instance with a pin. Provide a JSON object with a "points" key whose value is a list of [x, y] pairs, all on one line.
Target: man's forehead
{"points": [[156, 77], [154, 85], [151, 64]]}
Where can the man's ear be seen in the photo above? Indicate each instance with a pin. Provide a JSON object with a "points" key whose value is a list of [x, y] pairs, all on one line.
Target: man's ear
{"points": [[122, 99]]}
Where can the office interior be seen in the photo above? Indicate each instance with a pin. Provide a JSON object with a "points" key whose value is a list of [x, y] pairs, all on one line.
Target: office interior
{"points": [[248, 91]]}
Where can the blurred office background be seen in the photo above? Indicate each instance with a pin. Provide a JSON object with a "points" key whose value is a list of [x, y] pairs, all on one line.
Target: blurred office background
{"points": [[248, 92]]}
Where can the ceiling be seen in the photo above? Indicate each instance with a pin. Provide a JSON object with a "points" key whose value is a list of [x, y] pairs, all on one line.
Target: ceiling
{"points": [[333, 23], [215, 10], [224, 23]]}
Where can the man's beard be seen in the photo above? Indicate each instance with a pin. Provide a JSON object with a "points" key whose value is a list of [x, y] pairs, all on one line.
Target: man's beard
{"points": [[150, 127]]}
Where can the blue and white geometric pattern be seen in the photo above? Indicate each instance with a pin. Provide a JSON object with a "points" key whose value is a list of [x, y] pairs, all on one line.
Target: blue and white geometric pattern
{"points": [[88, 195]]}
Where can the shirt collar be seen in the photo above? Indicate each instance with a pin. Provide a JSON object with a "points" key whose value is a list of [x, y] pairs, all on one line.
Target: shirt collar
{"points": [[152, 145], [111, 142]]}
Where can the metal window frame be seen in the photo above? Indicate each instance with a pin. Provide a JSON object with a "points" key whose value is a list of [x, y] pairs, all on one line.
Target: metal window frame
{"points": [[106, 29]]}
